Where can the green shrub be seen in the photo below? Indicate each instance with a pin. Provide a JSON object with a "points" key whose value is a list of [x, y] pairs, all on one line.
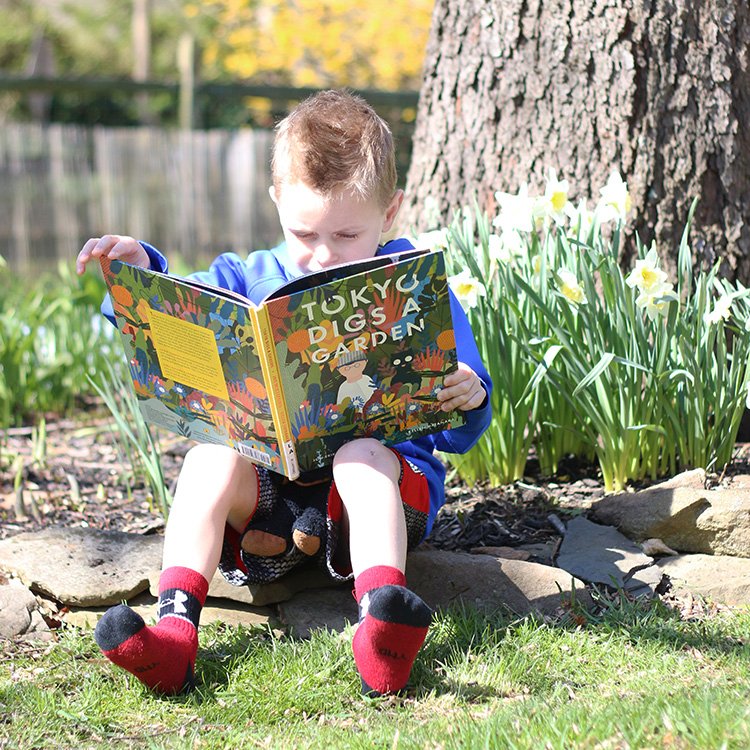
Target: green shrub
{"points": [[51, 336]]}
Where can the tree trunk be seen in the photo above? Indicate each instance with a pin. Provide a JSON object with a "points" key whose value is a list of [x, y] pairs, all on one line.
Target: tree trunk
{"points": [[657, 90]]}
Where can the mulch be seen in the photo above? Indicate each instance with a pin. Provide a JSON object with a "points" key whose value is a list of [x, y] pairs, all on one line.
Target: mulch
{"points": [[83, 479]]}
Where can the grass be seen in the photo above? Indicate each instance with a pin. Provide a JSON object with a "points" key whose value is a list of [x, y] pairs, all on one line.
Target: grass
{"points": [[633, 676]]}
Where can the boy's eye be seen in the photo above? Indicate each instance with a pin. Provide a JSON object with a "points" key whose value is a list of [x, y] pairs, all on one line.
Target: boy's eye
{"points": [[348, 236]]}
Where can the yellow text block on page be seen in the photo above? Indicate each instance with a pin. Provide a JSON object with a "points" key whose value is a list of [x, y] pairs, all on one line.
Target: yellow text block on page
{"points": [[188, 354]]}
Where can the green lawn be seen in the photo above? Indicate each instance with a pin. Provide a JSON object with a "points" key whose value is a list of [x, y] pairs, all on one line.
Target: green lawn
{"points": [[633, 676]]}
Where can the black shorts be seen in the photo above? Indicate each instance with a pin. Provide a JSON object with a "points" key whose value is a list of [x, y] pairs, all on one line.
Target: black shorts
{"points": [[241, 568]]}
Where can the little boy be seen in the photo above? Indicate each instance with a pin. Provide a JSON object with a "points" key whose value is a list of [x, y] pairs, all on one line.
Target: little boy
{"points": [[334, 186]]}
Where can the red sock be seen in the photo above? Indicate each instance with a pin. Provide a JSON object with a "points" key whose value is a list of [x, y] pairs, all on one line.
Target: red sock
{"points": [[392, 627], [162, 656]]}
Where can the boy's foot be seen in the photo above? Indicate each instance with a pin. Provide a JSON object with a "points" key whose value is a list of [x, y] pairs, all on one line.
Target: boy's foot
{"points": [[161, 657], [393, 626]]}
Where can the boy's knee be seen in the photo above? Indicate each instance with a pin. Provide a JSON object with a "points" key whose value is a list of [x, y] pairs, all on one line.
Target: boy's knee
{"points": [[220, 465], [365, 453], [207, 456]]}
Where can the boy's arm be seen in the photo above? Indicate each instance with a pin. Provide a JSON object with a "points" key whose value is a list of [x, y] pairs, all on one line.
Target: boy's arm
{"points": [[475, 403]]}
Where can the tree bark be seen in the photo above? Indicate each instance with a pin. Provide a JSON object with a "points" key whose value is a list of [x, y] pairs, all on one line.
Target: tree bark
{"points": [[659, 90]]}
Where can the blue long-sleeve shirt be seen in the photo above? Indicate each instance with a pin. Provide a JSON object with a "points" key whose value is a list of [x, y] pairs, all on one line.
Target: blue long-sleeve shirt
{"points": [[264, 271]]}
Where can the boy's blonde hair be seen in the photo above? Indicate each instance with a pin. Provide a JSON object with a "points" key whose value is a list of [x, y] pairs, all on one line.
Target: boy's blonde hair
{"points": [[335, 141]]}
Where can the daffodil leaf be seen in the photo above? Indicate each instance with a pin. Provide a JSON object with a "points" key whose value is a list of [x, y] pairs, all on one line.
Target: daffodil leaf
{"points": [[649, 427], [595, 372]]}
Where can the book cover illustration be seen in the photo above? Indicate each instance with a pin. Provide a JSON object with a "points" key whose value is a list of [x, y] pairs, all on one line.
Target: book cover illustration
{"points": [[193, 361], [365, 355]]}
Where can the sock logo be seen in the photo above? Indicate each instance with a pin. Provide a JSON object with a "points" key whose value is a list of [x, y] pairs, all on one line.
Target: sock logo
{"points": [[180, 598], [179, 603], [364, 606]]}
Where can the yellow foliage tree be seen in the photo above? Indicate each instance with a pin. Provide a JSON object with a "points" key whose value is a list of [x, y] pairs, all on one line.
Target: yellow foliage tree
{"points": [[317, 43]]}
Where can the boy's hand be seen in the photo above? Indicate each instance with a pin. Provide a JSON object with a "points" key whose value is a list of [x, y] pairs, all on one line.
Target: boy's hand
{"points": [[114, 246], [462, 390]]}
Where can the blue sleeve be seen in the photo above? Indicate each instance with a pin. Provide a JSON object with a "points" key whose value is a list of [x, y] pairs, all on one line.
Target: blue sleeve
{"points": [[461, 439], [254, 278]]}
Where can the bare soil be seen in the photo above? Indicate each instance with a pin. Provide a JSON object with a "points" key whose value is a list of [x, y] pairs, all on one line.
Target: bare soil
{"points": [[83, 479]]}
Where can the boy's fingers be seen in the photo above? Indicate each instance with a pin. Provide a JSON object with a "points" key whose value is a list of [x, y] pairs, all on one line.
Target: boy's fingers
{"points": [[84, 256]]}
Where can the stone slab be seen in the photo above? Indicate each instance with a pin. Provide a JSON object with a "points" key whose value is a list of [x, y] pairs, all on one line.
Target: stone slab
{"points": [[601, 554], [81, 566], [721, 578]]}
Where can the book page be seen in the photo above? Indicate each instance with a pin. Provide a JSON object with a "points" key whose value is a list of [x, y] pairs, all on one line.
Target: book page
{"points": [[187, 353], [193, 361]]}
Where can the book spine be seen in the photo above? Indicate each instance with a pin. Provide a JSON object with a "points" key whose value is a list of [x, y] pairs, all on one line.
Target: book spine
{"points": [[272, 375]]}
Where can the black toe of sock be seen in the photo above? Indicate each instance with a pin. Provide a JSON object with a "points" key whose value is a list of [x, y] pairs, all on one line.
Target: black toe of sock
{"points": [[116, 626], [398, 604]]}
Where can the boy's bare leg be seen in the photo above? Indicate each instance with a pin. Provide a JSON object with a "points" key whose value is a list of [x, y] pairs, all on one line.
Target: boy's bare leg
{"points": [[393, 620], [215, 486], [366, 474]]}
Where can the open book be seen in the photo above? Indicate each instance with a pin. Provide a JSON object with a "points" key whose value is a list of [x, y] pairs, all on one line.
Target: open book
{"points": [[357, 350]]}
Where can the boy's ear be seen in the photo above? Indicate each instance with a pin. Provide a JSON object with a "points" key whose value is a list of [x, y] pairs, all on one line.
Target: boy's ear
{"points": [[392, 211], [272, 193]]}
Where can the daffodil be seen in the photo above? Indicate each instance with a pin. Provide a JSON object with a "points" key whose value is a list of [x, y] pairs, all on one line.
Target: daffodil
{"points": [[570, 288], [467, 289], [647, 275], [505, 247], [581, 219], [555, 199], [516, 212], [656, 302], [433, 240], [722, 310], [615, 202]]}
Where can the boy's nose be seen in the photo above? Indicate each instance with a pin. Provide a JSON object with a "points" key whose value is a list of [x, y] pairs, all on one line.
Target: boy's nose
{"points": [[323, 254]]}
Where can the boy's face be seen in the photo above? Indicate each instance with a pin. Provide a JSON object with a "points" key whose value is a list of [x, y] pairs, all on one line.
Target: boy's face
{"points": [[322, 232]]}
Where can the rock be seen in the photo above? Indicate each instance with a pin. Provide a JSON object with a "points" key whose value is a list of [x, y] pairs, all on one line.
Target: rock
{"points": [[509, 553], [19, 613], [319, 609], [721, 578], [656, 548], [216, 610], [600, 554], [265, 594], [446, 578], [82, 567], [683, 514]]}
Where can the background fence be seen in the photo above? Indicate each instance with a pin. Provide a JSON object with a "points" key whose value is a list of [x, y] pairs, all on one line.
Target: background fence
{"points": [[192, 193]]}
